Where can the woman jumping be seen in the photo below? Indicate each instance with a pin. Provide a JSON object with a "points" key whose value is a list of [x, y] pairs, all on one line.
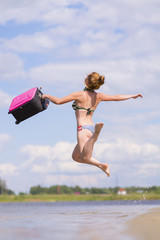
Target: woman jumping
{"points": [[85, 103]]}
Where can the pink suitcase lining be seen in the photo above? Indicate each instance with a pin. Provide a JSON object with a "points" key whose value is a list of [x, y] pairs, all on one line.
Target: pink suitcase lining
{"points": [[22, 99]]}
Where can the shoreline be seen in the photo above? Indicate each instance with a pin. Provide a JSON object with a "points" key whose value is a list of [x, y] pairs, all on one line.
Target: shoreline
{"points": [[145, 226]]}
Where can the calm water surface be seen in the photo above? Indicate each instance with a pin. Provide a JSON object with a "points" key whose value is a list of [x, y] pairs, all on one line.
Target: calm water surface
{"points": [[100, 220]]}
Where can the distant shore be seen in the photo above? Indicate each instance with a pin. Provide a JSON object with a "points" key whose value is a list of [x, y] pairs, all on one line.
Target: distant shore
{"points": [[145, 226], [74, 197]]}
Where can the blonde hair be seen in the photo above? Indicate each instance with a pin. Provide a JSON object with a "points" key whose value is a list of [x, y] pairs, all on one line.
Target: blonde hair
{"points": [[94, 80]]}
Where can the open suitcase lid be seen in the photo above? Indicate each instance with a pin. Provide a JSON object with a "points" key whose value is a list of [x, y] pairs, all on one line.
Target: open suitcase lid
{"points": [[22, 99]]}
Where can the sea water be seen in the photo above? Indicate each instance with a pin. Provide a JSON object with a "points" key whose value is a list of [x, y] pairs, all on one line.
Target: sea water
{"points": [[91, 220]]}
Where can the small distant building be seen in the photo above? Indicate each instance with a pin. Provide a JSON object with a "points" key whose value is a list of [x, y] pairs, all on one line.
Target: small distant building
{"points": [[121, 191], [77, 193]]}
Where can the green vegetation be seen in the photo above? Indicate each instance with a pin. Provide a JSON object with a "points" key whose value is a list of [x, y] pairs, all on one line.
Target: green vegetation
{"points": [[65, 193], [74, 197], [72, 190], [4, 189], [69, 190]]}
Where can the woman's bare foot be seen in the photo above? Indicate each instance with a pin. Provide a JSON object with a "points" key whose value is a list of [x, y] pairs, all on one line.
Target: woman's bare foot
{"points": [[105, 169]]}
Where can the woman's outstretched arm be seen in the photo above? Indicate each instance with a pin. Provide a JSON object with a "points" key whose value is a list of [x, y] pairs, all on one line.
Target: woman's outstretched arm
{"points": [[57, 100], [105, 97]]}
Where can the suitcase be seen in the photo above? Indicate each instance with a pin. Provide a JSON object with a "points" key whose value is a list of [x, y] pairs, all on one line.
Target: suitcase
{"points": [[28, 104]]}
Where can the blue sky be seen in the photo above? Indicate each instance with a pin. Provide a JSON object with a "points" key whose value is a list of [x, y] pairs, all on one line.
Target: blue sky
{"points": [[55, 44]]}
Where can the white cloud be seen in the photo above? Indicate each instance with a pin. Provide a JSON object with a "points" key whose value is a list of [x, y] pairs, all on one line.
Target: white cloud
{"points": [[35, 152], [59, 152], [130, 53], [120, 152], [50, 11], [22, 43], [54, 73], [6, 99], [97, 29], [47, 11], [44, 168], [4, 138], [11, 67], [52, 159], [8, 169], [127, 151], [39, 42]]}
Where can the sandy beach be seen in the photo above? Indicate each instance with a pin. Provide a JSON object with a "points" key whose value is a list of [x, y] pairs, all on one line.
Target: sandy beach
{"points": [[145, 226]]}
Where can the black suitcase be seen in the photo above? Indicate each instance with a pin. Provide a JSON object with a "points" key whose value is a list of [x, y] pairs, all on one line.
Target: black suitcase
{"points": [[28, 104]]}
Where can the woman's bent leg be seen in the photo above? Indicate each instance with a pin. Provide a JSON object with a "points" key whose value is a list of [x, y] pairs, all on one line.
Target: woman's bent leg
{"points": [[92, 161], [83, 150]]}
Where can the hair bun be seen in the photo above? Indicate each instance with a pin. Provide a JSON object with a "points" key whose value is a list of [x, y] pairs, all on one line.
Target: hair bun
{"points": [[101, 80], [94, 80]]}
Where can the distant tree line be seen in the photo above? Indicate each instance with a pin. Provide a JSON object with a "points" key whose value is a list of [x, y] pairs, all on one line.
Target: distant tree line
{"points": [[63, 189], [4, 189]]}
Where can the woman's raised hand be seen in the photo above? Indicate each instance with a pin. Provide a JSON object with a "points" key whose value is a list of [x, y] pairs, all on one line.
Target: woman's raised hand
{"points": [[137, 95]]}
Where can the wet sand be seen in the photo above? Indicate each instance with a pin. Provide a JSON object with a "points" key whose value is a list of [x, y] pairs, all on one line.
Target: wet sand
{"points": [[145, 226]]}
